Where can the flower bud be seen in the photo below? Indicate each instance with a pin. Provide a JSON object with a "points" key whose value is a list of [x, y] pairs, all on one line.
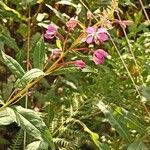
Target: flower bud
{"points": [[72, 23], [51, 32], [89, 15], [99, 56], [80, 64]]}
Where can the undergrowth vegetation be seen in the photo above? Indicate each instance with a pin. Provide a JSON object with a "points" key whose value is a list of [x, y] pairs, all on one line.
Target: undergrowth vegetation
{"points": [[74, 75]]}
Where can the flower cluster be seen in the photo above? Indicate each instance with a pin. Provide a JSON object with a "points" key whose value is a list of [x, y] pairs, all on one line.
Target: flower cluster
{"points": [[97, 36], [94, 35]]}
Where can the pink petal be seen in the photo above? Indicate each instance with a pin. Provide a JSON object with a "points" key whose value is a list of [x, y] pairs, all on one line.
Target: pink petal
{"points": [[89, 39], [72, 23], [101, 30], [99, 56], [90, 30], [51, 28], [48, 36], [49, 32], [98, 61], [102, 52], [102, 37], [80, 64]]}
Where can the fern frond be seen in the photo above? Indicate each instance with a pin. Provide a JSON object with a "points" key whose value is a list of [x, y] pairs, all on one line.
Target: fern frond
{"points": [[64, 144], [17, 141]]}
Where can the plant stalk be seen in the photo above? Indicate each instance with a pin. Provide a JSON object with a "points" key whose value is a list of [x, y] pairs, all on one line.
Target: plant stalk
{"points": [[27, 67]]}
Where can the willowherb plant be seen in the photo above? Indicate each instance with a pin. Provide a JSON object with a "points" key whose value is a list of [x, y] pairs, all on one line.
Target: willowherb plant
{"points": [[70, 79]]}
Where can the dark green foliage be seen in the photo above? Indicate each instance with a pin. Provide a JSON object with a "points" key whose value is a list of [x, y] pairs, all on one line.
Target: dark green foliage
{"points": [[67, 107], [16, 143]]}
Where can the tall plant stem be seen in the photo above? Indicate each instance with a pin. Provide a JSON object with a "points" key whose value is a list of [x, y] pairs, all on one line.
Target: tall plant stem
{"points": [[143, 8], [132, 53], [129, 74], [27, 67]]}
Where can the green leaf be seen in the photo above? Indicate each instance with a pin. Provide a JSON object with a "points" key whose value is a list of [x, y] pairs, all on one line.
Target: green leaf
{"points": [[89, 69], [28, 77], [1, 100], [62, 17], [145, 92], [128, 118], [138, 145], [8, 40], [39, 54], [66, 2], [66, 70], [13, 65], [58, 43], [6, 8], [5, 118], [115, 122], [37, 145], [29, 121], [29, 2]]}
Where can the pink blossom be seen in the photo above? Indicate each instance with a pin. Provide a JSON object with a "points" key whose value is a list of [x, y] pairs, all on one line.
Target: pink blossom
{"points": [[72, 23], [99, 56], [51, 32], [80, 64], [91, 34], [56, 53], [96, 35]]}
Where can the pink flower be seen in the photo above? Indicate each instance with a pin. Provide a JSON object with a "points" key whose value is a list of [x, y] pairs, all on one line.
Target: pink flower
{"points": [[96, 35], [56, 53], [91, 34], [102, 34], [72, 23], [80, 64], [51, 32], [99, 56]]}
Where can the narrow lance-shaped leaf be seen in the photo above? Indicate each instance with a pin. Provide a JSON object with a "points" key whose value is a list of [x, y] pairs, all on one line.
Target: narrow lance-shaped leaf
{"points": [[28, 77], [38, 145], [10, 9], [62, 17], [39, 54], [66, 2], [130, 119], [8, 40], [66, 70], [138, 145], [115, 122], [13, 65], [29, 121]]}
